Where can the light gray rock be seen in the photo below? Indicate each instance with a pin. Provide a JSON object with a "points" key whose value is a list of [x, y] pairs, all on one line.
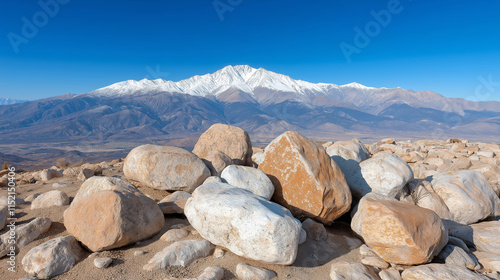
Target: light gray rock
{"points": [[347, 154], [53, 257], [32, 197], [25, 234], [173, 235], [48, 174], [389, 274], [248, 178], [384, 173], [248, 272], [452, 254], [375, 261], [59, 185], [213, 179], [210, 273], [467, 194], [181, 253], [102, 262], [347, 270], [174, 203], [436, 271], [489, 261], [425, 197], [219, 253], [49, 199], [484, 236], [245, 223], [165, 168]]}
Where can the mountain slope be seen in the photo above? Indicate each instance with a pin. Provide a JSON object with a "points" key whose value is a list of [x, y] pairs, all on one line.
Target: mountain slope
{"points": [[260, 101]]}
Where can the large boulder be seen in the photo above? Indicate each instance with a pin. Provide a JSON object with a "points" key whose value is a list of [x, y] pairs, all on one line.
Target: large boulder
{"points": [[245, 223], [25, 234], [467, 194], [165, 168], [347, 154], [399, 232], [384, 173], [217, 161], [53, 257], [425, 197], [435, 271], [230, 140], [108, 213], [249, 178], [306, 180], [484, 236]]}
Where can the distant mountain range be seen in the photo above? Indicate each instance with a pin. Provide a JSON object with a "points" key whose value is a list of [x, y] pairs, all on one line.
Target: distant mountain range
{"points": [[262, 102], [9, 101]]}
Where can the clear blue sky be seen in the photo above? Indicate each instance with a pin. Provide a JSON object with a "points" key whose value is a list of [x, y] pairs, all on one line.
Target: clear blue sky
{"points": [[442, 46]]}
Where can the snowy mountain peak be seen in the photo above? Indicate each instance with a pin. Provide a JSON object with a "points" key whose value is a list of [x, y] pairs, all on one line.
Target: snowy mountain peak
{"points": [[242, 77]]}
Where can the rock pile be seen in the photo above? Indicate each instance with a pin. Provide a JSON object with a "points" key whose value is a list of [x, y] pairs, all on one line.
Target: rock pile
{"points": [[419, 210]]}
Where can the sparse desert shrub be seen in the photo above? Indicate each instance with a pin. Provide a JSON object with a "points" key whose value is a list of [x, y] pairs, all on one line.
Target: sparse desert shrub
{"points": [[4, 165]]}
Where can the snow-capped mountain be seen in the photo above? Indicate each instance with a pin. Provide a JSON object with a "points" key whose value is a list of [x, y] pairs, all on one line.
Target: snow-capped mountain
{"points": [[9, 101], [242, 77], [261, 85], [262, 102]]}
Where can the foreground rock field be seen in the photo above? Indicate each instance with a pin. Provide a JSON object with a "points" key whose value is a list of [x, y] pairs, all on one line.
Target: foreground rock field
{"points": [[296, 209]]}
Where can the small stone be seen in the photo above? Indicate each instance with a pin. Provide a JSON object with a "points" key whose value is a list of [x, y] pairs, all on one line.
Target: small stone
{"points": [[248, 272], [50, 199], [174, 203], [181, 253], [389, 274], [347, 270], [374, 261], [53, 257], [25, 234], [219, 253], [59, 185], [436, 271], [139, 253], [174, 235], [102, 262]]}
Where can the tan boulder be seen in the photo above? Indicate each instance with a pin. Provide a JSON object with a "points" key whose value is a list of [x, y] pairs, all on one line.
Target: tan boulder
{"points": [[399, 232], [217, 161], [108, 213], [165, 168], [306, 180], [231, 140]]}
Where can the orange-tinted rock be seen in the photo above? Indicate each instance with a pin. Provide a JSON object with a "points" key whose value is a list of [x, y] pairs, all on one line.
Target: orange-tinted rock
{"points": [[230, 140], [306, 180], [109, 213], [399, 232]]}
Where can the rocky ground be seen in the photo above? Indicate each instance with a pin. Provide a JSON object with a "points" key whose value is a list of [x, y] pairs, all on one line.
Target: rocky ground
{"points": [[297, 209]]}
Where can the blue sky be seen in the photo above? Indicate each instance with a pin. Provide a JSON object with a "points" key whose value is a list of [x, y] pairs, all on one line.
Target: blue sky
{"points": [[444, 46]]}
